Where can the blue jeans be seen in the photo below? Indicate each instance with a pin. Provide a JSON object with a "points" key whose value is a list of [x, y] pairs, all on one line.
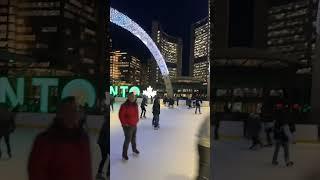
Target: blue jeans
{"points": [[155, 120]]}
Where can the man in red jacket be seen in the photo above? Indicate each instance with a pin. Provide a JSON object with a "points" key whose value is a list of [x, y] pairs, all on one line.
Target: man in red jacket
{"points": [[129, 117], [63, 151]]}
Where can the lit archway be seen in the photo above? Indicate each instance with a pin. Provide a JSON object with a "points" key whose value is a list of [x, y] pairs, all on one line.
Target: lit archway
{"points": [[125, 22]]}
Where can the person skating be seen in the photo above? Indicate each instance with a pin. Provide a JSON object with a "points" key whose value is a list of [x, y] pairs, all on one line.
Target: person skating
{"points": [[83, 116], [177, 101], [103, 142], [294, 117], [171, 103], [112, 100], [156, 113], [63, 150], [204, 150], [254, 128], [198, 103], [7, 126], [143, 107], [129, 117], [216, 124], [281, 136]]}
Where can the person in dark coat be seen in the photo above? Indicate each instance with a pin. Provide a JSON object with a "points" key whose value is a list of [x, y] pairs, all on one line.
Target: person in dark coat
{"points": [[293, 119], [198, 103], [281, 136], [63, 150], [129, 118], [112, 100], [83, 116], [156, 113], [7, 126], [254, 128], [216, 123], [143, 107], [103, 142]]}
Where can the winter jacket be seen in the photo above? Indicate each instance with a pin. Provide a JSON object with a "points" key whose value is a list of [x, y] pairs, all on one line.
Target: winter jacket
{"points": [[60, 155], [103, 139], [204, 133], [156, 108], [143, 103], [7, 123], [129, 114], [254, 125], [198, 101]]}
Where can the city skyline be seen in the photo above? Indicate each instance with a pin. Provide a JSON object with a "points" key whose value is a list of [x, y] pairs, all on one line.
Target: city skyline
{"points": [[176, 19]]}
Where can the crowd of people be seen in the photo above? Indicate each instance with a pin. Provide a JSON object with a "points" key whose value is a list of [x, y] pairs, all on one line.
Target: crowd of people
{"points": [[278, 125]]}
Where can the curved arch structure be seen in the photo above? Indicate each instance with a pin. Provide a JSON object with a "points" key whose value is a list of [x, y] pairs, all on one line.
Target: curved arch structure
{"points": [[125, 22]]}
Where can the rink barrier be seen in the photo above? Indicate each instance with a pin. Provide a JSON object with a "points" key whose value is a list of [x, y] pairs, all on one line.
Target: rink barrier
{"points": [[43, 120], [181, 102], [304, 132]]}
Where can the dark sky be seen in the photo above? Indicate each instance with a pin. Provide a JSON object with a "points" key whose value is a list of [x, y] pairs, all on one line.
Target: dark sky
{"points": [[175, 17]]}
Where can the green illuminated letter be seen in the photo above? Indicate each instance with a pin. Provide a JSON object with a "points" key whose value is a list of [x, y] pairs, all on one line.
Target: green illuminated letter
{"points": [[135, 89], [44, 84], [114, 90], [124, 89], [82, 90], [7, 90]]}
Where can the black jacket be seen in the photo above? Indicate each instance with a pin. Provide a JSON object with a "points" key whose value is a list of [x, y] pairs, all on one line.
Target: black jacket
{"points": [[143, 103], [156, 108], [103, 139]]}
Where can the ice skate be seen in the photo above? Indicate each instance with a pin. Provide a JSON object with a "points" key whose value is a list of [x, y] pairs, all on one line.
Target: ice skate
{"points": [[125, 158], [136, 152], [99, 176], [289, 164]]}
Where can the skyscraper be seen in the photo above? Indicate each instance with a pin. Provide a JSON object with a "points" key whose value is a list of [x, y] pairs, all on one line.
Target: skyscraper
{"points": [[199, 50], [124, 69], [171, 49], [62, 32], [292, 29]]}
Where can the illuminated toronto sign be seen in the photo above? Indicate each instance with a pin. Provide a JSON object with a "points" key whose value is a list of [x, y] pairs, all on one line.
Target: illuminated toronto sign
{"points": [[13, 91], [123, 90]]}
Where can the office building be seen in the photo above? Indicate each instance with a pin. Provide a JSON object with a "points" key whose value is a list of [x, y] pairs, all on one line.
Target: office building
{"points": [[292, 29], [124, 69], [171, 49], [60, 32], [199, 50]]}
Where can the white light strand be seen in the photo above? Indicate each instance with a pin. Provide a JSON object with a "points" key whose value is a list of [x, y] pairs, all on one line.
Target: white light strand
{"points": [[125, 22]]}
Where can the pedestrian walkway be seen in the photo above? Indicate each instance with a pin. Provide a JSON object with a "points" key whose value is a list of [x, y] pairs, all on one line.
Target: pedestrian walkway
{"points": [[231, 159]]}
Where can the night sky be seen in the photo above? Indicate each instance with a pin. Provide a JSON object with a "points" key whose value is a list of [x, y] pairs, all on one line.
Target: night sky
{"points": [[175, 17]]}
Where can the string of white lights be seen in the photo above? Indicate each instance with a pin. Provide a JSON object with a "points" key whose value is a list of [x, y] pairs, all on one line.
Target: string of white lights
{"points": [[125, 22]]}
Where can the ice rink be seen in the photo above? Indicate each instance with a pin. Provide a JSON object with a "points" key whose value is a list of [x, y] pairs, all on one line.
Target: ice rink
{"points": [[233, 160], [166, 154]]}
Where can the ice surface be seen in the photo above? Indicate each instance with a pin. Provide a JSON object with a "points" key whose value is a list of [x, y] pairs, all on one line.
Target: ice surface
{"points": [[166, 154]]}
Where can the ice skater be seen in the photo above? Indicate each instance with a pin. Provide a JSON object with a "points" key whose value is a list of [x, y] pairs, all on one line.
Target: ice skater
{"points": [[156, 113], [129, 117], [204, 150], [281, 136], [7, 126], [103, 142], [198, 103], [112, 100], [143, 107], [67, 142], [254, 128]]}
